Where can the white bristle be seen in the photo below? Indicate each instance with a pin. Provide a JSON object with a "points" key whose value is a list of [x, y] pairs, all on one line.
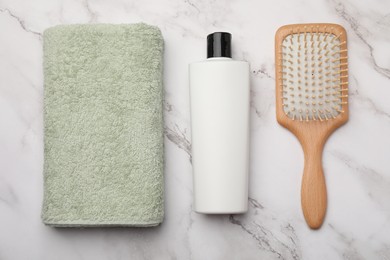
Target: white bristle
{"points": [[312, 75]]}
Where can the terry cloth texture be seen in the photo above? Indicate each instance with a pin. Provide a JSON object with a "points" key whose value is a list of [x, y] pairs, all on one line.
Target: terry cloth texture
{"points": [[103, 126]]}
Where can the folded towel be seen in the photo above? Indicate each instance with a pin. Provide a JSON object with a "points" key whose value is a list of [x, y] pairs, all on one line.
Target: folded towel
{"points": [[103, 93]]}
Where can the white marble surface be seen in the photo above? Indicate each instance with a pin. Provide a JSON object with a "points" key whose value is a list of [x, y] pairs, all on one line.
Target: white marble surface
{"points": [[356, 157]]}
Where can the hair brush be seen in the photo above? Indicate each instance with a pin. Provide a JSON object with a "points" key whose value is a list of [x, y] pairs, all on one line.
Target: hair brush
{"points": [[312, 99]]}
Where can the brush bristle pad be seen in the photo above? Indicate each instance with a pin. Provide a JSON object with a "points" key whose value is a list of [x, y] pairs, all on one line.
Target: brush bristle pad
{"points": [[312, 76]]}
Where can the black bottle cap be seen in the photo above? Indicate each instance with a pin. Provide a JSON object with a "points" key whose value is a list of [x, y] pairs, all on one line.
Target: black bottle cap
{"points": [[219, 45]]}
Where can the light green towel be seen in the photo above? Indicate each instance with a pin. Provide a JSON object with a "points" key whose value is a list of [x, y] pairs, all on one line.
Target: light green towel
{"points": [[103, 125]]}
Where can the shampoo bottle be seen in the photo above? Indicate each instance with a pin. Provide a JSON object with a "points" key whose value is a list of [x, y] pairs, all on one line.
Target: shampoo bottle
{"points": [[219, 96]]}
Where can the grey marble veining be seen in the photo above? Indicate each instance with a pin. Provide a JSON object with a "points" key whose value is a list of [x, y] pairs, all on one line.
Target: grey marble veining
{"points": [[356, 157]]}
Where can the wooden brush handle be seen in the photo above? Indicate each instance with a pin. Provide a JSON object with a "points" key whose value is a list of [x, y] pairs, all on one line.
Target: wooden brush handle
{"points": [[313, 193]]}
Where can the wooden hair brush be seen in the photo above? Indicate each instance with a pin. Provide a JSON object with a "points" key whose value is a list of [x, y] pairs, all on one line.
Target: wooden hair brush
{"points": [[312, 99]]}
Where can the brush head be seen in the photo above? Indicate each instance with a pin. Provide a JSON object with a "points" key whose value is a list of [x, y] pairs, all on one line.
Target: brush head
{"points": [[312, 72]]}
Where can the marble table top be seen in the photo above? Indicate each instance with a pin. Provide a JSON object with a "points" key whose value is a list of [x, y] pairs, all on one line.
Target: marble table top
{"points": [[356, 157]]}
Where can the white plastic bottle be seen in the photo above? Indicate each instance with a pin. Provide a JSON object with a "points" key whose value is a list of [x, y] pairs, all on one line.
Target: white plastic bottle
{"points": [[219, 96]]}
